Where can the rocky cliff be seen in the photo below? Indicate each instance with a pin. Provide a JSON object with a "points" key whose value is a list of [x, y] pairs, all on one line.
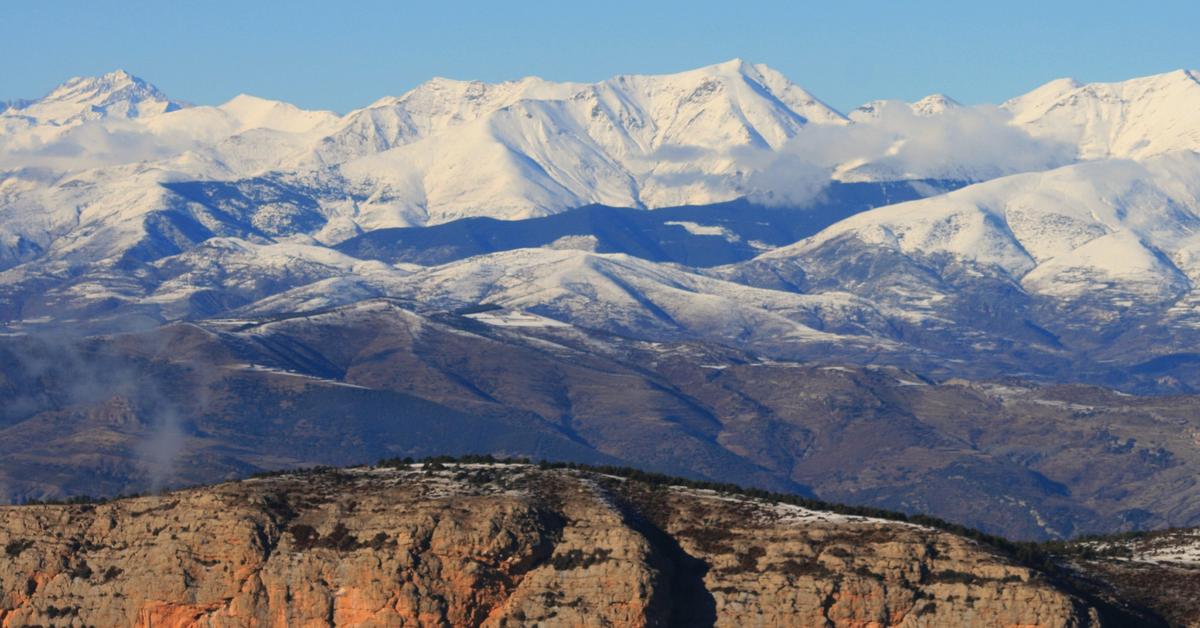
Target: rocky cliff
{"points": [[498, 545]]}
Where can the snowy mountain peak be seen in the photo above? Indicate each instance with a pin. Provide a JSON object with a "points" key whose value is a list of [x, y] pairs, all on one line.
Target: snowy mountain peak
{"points": [[870, 110], [438, 93], [931, 105], [736, 64], [1047, 92], [735, 67], [82, 86], [117, 94], [934, 104], [770, 82], [620, 141], [253, 112], [1182, 74], [1136, 118], [1056, 92]]}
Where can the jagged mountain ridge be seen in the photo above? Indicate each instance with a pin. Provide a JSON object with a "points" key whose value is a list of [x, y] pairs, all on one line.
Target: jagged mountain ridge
{"points": [[528, 156], [450, 149], [585, 143]]}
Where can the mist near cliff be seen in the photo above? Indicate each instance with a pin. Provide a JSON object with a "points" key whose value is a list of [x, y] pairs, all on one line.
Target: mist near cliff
{"points": [[61, 375]]}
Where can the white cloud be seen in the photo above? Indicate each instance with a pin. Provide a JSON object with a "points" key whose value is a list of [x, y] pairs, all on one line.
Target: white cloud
{"points": [[973, 143], [89, 145]]}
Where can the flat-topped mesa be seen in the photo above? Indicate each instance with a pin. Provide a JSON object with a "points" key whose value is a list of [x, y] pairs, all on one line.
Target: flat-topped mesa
{"points": [[495, 545]]}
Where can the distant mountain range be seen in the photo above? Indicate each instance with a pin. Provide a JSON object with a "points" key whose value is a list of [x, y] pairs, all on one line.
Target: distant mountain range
{"points": [[724, 214]]}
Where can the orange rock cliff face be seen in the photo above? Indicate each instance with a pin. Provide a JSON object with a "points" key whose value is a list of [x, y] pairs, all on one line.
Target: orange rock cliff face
{"points": [[502, 545]]}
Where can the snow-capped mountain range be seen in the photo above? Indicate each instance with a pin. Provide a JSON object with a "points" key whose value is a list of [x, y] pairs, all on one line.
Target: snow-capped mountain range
{"points": [[1057, 227]]}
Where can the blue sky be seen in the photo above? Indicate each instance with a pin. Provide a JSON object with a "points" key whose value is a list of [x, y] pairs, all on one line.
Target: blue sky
{"points": [[342, 55]]}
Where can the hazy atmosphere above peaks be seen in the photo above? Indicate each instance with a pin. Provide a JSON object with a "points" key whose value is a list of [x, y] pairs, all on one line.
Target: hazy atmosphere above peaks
{"points": [[340, 56]]}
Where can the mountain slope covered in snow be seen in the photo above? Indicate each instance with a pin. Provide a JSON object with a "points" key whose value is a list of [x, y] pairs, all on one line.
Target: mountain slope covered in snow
{"points": [[1137, 118], [93, 156], [232, 208], [709, 272]]}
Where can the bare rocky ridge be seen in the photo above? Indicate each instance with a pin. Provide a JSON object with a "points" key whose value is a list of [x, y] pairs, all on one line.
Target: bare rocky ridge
{"points": [[499, 545]]}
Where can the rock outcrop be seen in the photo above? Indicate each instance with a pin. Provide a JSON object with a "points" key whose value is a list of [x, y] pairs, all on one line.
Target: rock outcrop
{"points": [[498, 545]]}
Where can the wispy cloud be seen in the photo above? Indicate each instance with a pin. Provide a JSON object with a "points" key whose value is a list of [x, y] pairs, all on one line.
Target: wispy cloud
{"points": [[90, 145], [967, 143], [58, 372]]}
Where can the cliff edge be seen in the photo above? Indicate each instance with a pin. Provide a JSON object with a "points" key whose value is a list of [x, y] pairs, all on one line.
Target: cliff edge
{"points": [[499, 545]]}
